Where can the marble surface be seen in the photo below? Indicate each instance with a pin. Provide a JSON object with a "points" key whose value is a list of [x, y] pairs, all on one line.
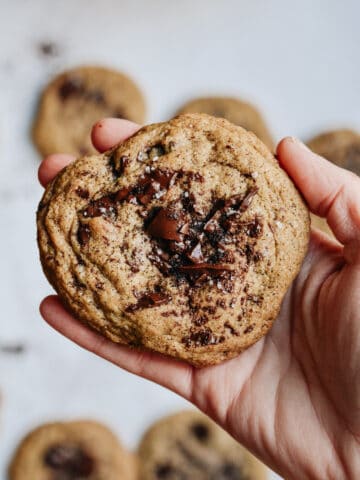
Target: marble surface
{"points": [[297, 60]]}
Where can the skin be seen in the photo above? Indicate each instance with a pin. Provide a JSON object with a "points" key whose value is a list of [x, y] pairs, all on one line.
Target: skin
{"points": [[293, 398]]}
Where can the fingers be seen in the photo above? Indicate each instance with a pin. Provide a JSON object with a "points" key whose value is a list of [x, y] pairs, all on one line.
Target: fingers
{"points": [[176, 376], [105, 134], [110, 131], [51, 165], [330, 191]]}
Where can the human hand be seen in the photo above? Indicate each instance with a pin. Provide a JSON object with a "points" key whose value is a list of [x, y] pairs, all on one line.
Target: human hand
{"points": [[293, 398]]}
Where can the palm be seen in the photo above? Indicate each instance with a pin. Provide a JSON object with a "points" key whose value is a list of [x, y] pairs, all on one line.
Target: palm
{"points": [[285, 382], [293, 398]]}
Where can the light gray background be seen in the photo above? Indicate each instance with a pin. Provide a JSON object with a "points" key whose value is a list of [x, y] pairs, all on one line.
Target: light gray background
{"points": [[298, 61]]}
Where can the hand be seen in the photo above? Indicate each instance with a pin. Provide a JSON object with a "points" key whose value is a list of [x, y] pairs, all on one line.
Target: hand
{"points": [[293, 398]]}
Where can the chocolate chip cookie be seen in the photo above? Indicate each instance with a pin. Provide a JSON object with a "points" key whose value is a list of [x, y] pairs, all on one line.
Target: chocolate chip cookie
{"points": [[72, 451], [78, 98], [188, 445], [341, 147], [232, 109], [182, 240]]}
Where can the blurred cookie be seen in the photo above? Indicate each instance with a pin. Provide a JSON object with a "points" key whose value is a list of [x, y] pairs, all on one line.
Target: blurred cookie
{"points": [[341, 147], [72, 451], [75, 100], [188, 445], [232, 109], [182, 240]]}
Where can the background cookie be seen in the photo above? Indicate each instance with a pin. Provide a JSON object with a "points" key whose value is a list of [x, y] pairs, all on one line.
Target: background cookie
{"points": [[182, 240], [75, 100], [72, 451], [232, 109], [188, 446], [341, 147]]}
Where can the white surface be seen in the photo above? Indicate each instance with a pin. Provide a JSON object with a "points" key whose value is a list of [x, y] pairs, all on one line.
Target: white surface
{"points": [[298, 60]]}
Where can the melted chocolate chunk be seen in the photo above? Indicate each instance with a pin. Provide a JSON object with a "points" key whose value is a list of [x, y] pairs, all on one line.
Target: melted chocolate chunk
{"points": [[70, 460], [149, 300], [83, 234], [211, 269], [82, 192], [201, 338], [103, 207], [164, 226], [200, 431]]}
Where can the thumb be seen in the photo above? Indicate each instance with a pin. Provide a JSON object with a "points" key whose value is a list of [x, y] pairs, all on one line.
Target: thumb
{"points": [[330, 191]]}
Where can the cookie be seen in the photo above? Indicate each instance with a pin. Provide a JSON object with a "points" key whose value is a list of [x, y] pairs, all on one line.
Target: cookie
{"points": [[232, 109], [182, 240], [341, 147], [188, 445], [75, 100], [72, 451]]}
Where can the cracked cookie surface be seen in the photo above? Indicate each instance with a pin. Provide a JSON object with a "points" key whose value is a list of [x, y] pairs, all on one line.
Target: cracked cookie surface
{"points": [[188, 445], [75, 100], [183, 240], [83, 450]]}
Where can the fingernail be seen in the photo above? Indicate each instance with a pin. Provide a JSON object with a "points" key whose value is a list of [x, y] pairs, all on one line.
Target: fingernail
{"points": [[299, 143]]}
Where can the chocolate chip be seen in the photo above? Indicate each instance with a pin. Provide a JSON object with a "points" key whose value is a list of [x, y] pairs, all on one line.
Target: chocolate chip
{"points": [[118, 113], [164, 470], [83, 234], [71, 460], [248, 199], [118, 164], [82, 192], [249, 329], [71, 87], [231, 328], [228, 471], [200, 431], [149, 300], [202, 338]]}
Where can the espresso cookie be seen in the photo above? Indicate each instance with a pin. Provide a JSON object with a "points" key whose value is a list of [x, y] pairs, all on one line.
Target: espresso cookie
{"points": [[182, 240], [232, 109], [75, 100], [188, 446], [72, 451], [341, 147]]}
